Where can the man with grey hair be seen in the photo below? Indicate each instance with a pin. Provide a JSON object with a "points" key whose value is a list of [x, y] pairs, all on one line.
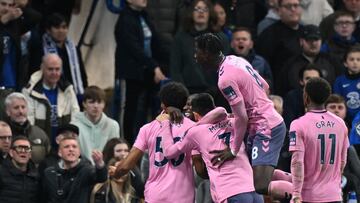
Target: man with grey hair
{"points": [[51, 100], [16, 110]]}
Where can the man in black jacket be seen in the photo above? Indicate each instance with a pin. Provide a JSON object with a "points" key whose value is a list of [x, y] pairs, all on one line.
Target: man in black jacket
{"points": [[5, 141], [137, 56], [73, 178], [19, 180]]}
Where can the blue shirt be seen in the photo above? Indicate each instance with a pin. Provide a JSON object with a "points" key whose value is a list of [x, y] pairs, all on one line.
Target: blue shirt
{"points": [[52, 94], [8, 75]]}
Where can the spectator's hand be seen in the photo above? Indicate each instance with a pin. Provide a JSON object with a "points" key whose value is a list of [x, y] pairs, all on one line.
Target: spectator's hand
{"points": [[221, 156], [158, 75], [176, 115], [97, 156], [12, 14]]}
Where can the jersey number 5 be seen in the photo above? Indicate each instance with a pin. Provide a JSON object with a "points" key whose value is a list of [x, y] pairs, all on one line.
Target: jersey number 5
{"points": [[322, 138], [174, 162]]}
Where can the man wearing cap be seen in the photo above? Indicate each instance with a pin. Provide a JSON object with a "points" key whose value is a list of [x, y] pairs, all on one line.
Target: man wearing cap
{"points": [[310, 41]]}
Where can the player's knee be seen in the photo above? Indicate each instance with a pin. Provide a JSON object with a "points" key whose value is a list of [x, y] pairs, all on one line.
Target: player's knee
{"points": [[261, 188]]}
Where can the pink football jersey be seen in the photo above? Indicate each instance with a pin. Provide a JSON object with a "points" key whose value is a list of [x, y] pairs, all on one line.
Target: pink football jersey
{"points": [[233, 177], [170, 180], [322, 136], [238, 81]]}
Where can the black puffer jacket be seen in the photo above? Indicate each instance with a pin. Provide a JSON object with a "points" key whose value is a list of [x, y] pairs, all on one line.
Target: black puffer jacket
{"points": [[17, 186], [73, 185]]}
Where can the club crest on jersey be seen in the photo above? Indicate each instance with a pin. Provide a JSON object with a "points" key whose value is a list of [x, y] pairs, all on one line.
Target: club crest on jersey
{"points": [[292, 137], [357, 128], [230, 93]]}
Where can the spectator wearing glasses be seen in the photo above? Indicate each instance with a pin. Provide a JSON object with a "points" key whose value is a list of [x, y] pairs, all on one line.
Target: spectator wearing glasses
{"points": [[19, 180], [280, 40], [5, 141], [352, 6], [341, 40]]}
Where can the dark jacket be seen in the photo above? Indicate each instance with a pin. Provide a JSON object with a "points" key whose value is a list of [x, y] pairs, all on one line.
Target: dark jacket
{"points": [[15, 29], [293, 106], [39, 140], [336, 47], [73, 185], [289, 78], [17, 186], [278, 43], [130, 58]]}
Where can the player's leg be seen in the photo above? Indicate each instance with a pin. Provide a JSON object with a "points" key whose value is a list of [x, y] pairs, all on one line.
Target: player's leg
{"points": [[248, 197], [265, 155]]}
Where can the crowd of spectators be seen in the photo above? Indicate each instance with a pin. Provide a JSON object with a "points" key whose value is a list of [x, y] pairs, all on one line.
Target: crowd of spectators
{"points": [[53, 122]]}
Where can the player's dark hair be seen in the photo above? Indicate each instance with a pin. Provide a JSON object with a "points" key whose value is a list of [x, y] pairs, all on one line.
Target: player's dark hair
{"points": [[308, 67], [318, 90], [174, 94], [210, 43], [202, 103]]}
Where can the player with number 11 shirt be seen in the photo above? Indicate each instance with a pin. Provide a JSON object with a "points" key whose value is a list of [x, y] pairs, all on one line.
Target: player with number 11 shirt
{"points": [[318, 142]]}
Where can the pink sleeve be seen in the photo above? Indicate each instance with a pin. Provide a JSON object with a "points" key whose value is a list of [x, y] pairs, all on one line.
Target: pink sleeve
{"points": [[231, 91], [241, 120], [140, 141], [296, 142], [297, 172], [171, 149]]}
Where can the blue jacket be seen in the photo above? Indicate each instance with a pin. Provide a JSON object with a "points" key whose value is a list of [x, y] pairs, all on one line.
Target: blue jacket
{"points": [[348, 86]]}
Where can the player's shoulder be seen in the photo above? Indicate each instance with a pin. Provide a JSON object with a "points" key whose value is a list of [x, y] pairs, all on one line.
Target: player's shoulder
{"points": [[337, 119]]}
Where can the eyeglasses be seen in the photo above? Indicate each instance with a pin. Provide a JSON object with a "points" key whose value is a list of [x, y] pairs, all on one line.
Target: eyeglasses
{"points": [[5, 138], [344, 23], [290, 6], [22, 148], [201, 10]]}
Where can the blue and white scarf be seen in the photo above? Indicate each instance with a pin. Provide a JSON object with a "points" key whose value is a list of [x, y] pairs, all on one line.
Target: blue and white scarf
{"points": [[49, 46]]}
